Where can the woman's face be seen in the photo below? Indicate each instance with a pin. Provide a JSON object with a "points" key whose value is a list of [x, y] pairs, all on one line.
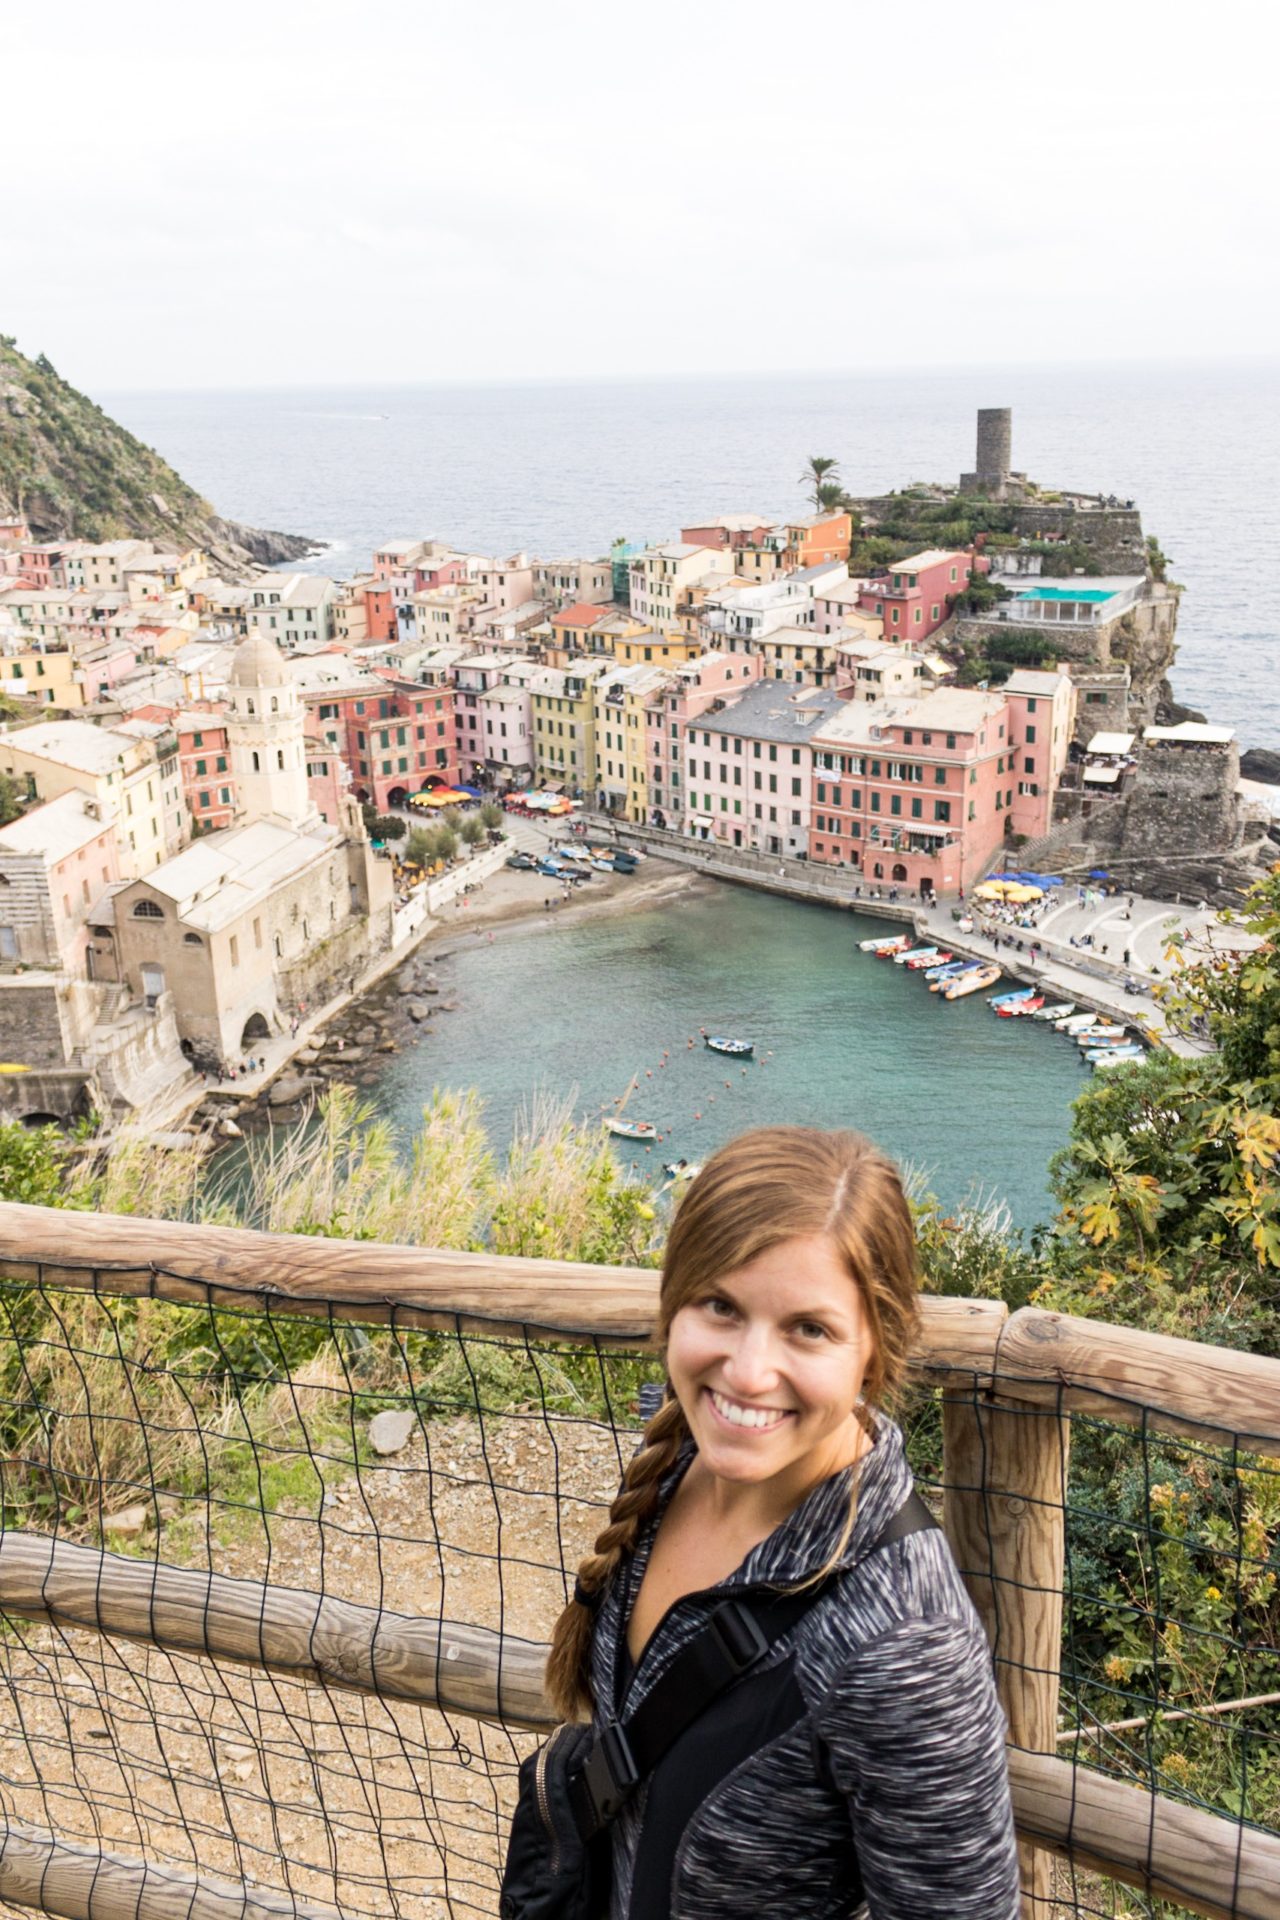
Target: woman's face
{"points": [[768, 1367]]}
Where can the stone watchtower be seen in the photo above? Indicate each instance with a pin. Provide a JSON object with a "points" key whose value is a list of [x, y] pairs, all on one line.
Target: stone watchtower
{"points": [[266, 736], [994, 455]]}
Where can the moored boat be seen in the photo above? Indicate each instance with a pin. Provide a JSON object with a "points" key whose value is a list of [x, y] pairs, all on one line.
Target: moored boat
{"points": [[999, 1000], [1077, 1023], [914, 953], [935, 959], [631, 1129], [1117, 1057], [1019, 1009], [1061, 1011], [720, 1043], [942, 968], [882, 942], [1094, 1036], [971, 982]]}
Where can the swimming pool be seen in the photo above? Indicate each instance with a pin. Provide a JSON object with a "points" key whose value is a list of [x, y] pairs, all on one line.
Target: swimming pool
{"points": [[1068, 593]]}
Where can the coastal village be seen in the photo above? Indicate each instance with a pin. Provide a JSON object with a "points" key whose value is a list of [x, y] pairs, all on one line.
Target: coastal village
{"points": [[199, 771]]}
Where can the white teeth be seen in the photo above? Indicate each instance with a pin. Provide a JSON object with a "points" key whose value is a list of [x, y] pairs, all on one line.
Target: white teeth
{"points": [[747, 1416]]}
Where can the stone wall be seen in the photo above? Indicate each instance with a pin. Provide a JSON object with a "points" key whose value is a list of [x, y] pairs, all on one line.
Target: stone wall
{"points": [[1113, 535], [1142, 639], [1180, 801], [329, 968]]}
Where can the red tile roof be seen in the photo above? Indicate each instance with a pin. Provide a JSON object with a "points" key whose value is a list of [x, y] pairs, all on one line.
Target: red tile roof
{"points": [[581, 615]]}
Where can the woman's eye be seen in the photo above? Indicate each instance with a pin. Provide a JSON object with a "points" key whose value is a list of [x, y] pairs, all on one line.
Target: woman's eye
{"points": [[720, 1309], [813, 1330]]}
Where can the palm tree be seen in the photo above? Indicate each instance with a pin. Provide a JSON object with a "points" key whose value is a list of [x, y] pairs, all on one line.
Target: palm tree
{"points": [[822, 471]]}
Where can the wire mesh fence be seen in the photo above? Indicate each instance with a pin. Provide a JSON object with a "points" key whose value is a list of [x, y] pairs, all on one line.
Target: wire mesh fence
{"points": [[232, 1493]]}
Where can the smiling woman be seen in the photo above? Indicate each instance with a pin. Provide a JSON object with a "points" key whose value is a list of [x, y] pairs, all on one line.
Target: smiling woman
{"points": [[859, 1757]]}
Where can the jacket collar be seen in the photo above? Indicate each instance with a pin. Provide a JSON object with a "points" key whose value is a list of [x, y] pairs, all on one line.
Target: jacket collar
{"points": [[808, 1537]]}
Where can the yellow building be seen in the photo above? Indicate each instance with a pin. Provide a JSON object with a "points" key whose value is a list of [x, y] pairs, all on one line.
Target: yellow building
{"points": [[564, 724], [135, 783], [47, 674], [622, 752]]}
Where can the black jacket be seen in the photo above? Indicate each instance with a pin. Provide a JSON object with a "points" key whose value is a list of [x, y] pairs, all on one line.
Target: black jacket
{"points": [[865, 1763]]}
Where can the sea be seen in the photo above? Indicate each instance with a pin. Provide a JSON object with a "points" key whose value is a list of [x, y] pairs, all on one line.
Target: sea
{"points": [[565, 468], [976, 1105]]}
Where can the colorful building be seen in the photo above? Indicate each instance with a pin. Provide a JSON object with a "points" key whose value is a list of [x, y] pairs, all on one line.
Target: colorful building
{"points": [[913, 794], [661, 575], [1042, 712], [564, 724], [685, 691], [916, 596], [749, 768]]}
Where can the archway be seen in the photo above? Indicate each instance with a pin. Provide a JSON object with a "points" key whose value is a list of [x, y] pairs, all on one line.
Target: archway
{"points": [[899, 871], [397, 796], [255, 1028], [34, 1120]]}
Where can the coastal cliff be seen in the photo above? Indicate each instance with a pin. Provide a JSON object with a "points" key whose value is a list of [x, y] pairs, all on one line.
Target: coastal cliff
{"points": [[73, 473]]}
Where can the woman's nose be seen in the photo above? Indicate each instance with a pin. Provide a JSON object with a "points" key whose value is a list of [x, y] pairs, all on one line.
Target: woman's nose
{"points": [[752, 1366]]}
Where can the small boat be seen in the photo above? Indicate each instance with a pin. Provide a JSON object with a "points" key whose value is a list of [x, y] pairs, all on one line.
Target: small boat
{"points": [[720, 1043], [971, 982], [1062, 1011], [895, 947], [682, 1170], [1019, 1009], [631, 1129], [1093, 1036], [942, 969], [1076, 1023], [604, 866], [1007, 999], [915, 953], [1118, 1057], [934, 959], [890, 941], [951, 973]]}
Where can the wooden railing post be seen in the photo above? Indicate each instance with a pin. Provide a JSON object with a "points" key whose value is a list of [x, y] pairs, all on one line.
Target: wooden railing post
{"points": [[1005, 1472]]}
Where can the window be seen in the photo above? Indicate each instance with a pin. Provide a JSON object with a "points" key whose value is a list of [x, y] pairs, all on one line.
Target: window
{"points": [[895, 803], [875, 803], [795, 789], [1031, 736], [201, 769], [235, 951], [148, 910], [917, 807]]}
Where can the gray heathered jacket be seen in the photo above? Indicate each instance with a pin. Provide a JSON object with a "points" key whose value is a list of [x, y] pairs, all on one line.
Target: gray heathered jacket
{"points": [[866, 1764]]}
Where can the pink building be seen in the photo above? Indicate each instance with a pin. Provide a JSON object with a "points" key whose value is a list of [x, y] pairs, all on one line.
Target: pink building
{"points": [[916, 596], [689, 689], [56, 861], [733, 530], [914, 794], [204, 760], [493, 718], [327, 777], [749, 768], [1041, 720]]}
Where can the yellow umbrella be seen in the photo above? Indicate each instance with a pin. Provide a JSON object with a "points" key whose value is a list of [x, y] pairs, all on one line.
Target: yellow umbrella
{"points": [[990, 890], [1021, 893]]}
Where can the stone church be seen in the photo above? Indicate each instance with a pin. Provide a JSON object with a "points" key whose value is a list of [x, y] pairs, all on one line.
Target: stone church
{"points": [[267, 918]]}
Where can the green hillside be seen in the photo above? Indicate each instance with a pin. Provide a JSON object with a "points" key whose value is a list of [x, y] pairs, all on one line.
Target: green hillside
{"points": [[74, 473]]}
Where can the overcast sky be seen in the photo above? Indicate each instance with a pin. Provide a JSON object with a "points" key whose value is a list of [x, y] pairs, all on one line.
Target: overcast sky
{"points": [[266, 194]]}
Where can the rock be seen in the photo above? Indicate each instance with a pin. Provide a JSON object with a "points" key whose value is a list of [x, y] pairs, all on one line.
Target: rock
{"points": [[367, 1037], [1260, 763], [229, 1130], [285, 1116], [1172, 713], [307, 1057], [417, 1010], [431, 984], [390, 1432], [336, 1059], [287, 1089], [387, 1046], [129, 1522]]}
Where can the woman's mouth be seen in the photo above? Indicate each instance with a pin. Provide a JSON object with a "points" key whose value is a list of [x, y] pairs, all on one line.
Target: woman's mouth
{"points": [[743, 1418]]}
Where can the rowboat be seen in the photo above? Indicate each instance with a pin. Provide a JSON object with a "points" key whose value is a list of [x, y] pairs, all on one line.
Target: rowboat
{"points": [[914, 953], [1062, 1011], [1093, 1036], [935, 959], [1077, 1023], [879, 945], [901, 945], [1007, 999], [943, 969], [1117, 1057], [1018, 1009], [947, 974], [970, 982], [718, 1043], [631, 1129]]}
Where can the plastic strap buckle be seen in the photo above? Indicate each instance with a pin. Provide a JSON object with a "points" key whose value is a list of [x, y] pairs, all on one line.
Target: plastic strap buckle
{"points": [[611, 1774], [741, 1638]]}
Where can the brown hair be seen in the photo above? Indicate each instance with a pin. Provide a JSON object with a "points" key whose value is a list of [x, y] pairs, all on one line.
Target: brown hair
{"points": [[769, 1185]]}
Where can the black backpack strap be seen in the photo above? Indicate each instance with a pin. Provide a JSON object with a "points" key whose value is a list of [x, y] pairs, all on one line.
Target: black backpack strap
{"points": [[736, 1638]]}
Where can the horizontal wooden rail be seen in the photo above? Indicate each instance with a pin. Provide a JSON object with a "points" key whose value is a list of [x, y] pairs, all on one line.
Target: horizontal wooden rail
{"points": [[1135, 1378], [1175, 1852], [307, 1636], [366, 1281], [85, 1883], [1198, 1860]]}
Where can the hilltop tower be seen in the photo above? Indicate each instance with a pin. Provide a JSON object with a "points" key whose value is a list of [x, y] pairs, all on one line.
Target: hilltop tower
{"points": [[266, 735], [994, 453]]}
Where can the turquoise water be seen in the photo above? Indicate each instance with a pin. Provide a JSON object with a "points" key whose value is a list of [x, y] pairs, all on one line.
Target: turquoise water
{"points": [[1066, 593], [842, 1039]]}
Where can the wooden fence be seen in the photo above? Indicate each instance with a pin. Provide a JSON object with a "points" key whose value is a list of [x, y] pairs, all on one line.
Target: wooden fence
{"points": [[1010, 1384]]}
